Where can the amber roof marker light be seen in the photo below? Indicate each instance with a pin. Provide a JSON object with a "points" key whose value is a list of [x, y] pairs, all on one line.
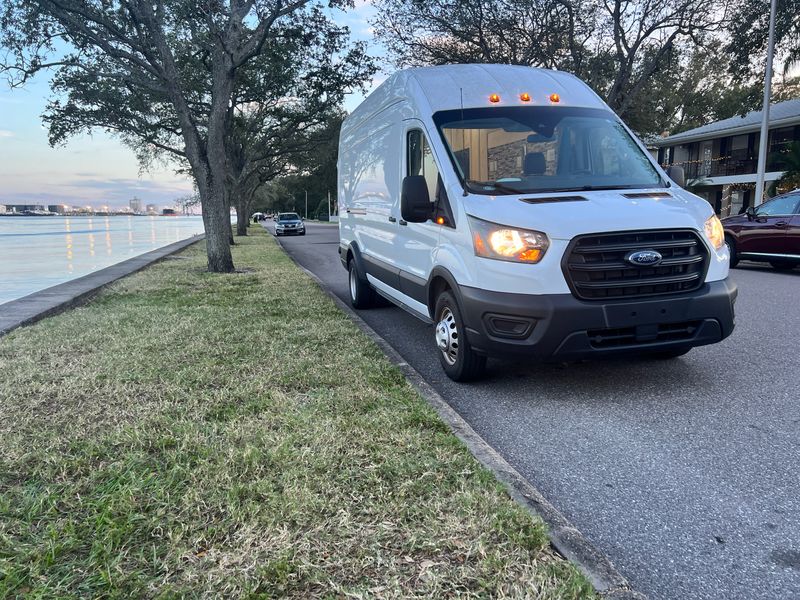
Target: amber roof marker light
{"points": [[494, 98], [525, 97], [555, 98]]}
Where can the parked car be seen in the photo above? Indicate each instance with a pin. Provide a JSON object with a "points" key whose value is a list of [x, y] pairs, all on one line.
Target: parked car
{"points": [[768, 233], [289, 224], [513, 210]]}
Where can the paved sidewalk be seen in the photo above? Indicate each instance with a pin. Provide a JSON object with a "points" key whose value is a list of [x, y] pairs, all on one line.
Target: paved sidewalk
{"points": [[55, 299]]}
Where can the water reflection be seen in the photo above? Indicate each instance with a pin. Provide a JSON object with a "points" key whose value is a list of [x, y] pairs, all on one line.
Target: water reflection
{"points": [[42, 251], [68, 241], [108, 237]]}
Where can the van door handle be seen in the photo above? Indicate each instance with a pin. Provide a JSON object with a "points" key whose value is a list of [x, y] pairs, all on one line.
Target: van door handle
{"points": [[403, 222], [392, 220], [782, 224]]}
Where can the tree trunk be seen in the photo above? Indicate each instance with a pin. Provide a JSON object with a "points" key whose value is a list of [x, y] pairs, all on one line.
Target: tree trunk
{"points": [[242, 214], [218, 233], [231, 241], [205, 158]]}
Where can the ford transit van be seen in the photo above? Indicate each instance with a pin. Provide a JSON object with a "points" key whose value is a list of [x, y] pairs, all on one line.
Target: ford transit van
{"points": [[512, 209]]}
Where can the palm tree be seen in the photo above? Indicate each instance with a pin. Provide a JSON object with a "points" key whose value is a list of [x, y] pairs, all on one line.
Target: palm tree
{"points": [[790, 157]]}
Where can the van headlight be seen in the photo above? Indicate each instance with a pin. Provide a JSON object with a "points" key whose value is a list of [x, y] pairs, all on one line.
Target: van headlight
{"points": [[714, 232], [491, 240]]}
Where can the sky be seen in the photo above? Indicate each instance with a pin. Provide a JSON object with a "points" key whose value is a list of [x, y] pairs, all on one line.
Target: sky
{"points": [[98, 169]]}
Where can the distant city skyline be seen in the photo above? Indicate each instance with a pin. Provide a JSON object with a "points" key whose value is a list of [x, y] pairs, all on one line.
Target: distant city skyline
{"points": [[98, 169]]}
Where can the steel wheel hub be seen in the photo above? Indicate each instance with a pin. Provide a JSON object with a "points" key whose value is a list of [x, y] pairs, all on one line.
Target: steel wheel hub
{"points": [[353, 284], [447, 336]]}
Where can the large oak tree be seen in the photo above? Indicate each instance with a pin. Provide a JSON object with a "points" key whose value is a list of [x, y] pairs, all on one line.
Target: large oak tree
{"points": [[131, 66]]}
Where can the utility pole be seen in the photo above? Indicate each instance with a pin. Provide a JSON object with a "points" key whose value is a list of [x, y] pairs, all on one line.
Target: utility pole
{"points": [[306, 204], [329, 206], [763, 144]]}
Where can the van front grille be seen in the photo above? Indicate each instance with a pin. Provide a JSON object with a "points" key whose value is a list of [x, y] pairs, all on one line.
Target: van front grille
{"points": [[596, 268]]}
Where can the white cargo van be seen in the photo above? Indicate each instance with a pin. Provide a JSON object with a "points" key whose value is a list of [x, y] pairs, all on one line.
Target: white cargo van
{"points": [[513, 210]]}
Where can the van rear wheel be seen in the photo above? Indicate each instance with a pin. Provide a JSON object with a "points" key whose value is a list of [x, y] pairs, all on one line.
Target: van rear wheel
{"points": [[361, 294], [459, 361]]}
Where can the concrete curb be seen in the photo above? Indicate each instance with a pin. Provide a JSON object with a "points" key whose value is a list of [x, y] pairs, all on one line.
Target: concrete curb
{"points": [[58, 298], [564, 536]]}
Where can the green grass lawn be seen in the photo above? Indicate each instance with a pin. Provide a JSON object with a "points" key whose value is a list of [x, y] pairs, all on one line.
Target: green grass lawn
{"points": [[190, 434]]}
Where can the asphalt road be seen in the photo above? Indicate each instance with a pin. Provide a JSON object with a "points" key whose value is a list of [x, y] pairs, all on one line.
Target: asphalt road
{"points": [[686, 473]]}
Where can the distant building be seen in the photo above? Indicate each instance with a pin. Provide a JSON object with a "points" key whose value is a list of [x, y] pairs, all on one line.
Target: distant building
{"points": [[720, 159], [19, 208], [58, 208], [169, 212], [151, 209], [2, 208], [135, 205]]}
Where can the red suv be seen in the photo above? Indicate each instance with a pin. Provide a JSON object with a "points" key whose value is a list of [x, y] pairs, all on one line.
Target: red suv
{"points": [[769, 233]]}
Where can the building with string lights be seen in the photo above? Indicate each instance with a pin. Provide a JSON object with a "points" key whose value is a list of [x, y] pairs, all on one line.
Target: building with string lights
{"points": [[720, 159]]}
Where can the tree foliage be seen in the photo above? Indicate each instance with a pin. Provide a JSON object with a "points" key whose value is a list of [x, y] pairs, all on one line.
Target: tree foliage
{"points": [[314, 176], [790, 180], [749, 31], [283, 115], [619, 47]]}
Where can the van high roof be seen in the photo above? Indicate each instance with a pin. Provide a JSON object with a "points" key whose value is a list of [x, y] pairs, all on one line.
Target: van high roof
{"points": [[441, 88]]}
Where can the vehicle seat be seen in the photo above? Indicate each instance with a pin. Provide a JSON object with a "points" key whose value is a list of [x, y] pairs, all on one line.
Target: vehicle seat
{"points": [[535, 163]]}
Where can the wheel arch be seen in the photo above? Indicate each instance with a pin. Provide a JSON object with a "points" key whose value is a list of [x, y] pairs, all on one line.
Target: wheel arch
{"points": [[440, 280], [354, 253]]}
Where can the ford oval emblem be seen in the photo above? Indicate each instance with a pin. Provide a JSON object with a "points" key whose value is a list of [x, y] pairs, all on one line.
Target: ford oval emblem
{"points": [[644, 258]]}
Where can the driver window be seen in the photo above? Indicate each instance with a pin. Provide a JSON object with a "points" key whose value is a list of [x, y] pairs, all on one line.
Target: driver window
{"points": [[778, 206], [420, 160]]}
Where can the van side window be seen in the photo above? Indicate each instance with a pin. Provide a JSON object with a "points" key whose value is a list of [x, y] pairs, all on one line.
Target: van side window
{"points": [[420, 160]]}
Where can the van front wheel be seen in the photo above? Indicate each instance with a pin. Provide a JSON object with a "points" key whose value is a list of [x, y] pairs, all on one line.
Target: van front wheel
{"points": [[459, 361]]}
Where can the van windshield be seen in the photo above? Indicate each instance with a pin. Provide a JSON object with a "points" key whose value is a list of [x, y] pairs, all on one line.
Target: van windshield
{"points": [[527, 149]]}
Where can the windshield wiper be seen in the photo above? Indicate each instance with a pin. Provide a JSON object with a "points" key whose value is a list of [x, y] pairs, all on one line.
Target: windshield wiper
{"points": [[498, 186]]}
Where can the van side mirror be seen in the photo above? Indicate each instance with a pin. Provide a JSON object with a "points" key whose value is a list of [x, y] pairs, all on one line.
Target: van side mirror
{"points": [[676, 174], [750, 212], [415, 202]]}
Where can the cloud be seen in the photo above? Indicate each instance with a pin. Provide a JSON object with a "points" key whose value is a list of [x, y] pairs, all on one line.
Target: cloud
{"points": [[5, 133], [113, 191]]}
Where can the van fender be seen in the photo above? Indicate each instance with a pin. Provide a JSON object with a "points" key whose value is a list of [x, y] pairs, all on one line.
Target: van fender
{"points": [[439, 279], [351, 251]]}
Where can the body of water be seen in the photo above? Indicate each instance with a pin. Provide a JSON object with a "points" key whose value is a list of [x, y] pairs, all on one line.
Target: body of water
{"points": [[38, 252]]}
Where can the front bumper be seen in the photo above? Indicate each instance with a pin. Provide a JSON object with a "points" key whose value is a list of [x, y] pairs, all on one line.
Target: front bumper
{"points": [[290, 231], [561, 327]]}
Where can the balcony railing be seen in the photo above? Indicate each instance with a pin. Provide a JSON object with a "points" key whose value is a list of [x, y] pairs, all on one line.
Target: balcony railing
{"points": [[725, 167]]}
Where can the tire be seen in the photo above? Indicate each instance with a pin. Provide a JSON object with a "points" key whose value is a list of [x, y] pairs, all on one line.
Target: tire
{"points": [[361, 294], [303, 232], [732, 250], [459, 361], [782, 265], [669, 354]]}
